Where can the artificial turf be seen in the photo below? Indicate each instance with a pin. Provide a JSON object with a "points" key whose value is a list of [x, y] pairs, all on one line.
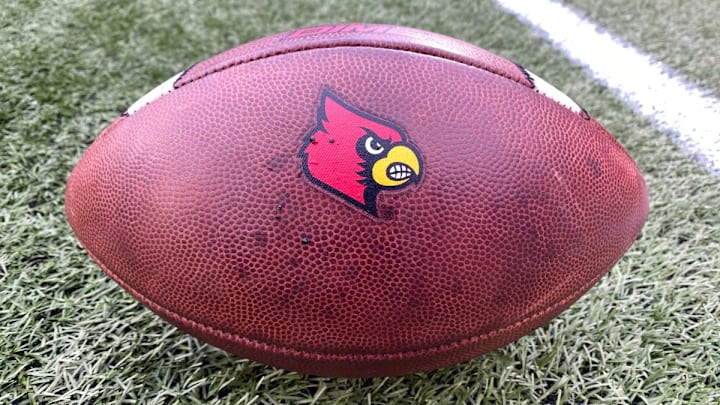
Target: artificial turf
{"points": [[647, 333], [683, 34]]}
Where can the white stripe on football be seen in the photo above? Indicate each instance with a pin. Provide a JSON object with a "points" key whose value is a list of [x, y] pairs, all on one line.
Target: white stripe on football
{"points": [[154, 94], [548, 90]]}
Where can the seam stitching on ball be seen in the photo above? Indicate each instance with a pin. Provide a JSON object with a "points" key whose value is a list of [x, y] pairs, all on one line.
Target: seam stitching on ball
{"points": [[256, 344], [349, 45]]}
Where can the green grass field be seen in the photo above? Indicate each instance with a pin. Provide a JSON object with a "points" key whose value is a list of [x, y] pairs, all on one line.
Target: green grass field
{"points": [[681, 33], [649, 332]]}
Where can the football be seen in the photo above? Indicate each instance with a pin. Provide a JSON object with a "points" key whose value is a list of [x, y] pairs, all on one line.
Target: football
{"points": [[356, 200]]}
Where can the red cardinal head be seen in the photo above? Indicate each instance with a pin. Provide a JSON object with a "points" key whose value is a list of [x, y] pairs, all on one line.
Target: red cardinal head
{"points": [[355, 155]]}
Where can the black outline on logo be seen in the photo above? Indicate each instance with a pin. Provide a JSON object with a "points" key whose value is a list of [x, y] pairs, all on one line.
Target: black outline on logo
{"points": [[372, 189]]}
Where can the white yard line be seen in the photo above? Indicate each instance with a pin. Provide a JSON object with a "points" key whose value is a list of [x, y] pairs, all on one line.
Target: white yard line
{"points": [[649, 87]]}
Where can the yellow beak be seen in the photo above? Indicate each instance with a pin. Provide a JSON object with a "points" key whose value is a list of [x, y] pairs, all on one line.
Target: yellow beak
{"points": [[400, 166]]}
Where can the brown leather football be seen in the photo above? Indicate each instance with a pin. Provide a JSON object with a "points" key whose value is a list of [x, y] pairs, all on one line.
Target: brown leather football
{"points": [[356, 200]]}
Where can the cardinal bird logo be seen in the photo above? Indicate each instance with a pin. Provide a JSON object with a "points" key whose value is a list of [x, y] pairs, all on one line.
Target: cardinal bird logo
{"points": [[355, 155]]}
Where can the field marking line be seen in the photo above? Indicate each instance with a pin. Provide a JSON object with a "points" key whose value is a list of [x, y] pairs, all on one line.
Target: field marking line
{"points": [[653, 90]]}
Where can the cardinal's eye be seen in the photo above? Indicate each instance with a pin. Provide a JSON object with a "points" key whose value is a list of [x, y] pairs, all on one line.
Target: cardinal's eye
{"points": [[373, 147]]}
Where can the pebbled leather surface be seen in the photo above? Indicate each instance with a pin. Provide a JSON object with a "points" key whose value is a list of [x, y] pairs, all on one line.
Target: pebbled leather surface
{"points": [[197, 205]]}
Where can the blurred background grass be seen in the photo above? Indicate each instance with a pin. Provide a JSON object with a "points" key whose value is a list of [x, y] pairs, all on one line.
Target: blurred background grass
{"points": [[683, 34], [647, 333]]}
